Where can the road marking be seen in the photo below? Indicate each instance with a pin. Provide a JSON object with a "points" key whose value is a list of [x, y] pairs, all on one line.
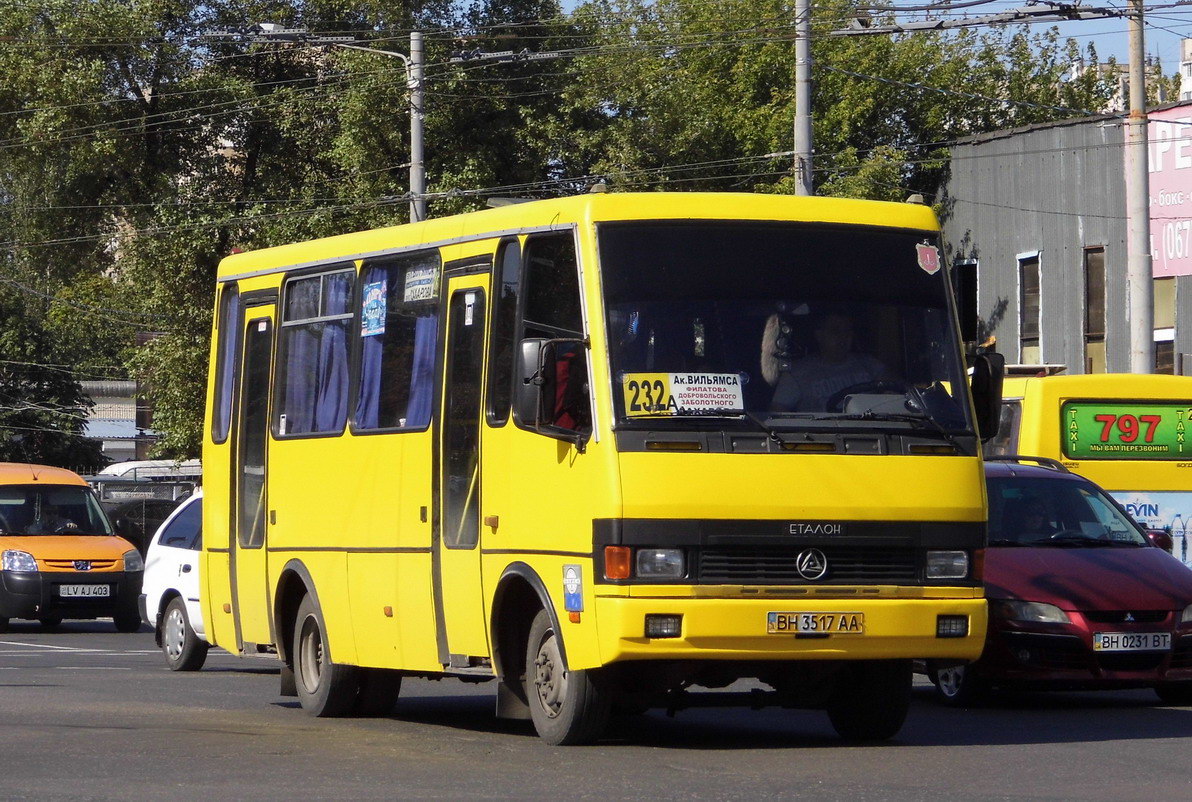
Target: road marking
{"points": [[46, 646], [93, 668]]}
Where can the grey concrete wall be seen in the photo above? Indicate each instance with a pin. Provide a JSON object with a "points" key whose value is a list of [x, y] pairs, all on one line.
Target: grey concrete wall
{"points": [[1056, 190]]}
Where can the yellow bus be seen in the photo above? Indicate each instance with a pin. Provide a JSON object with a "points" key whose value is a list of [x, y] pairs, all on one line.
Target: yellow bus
{"points": [[1124, 431], [600, 450]]}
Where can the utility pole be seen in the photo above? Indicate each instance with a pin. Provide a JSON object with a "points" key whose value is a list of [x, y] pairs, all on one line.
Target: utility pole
{"points": [[1139, 277], [271, 32], [803, 145]]}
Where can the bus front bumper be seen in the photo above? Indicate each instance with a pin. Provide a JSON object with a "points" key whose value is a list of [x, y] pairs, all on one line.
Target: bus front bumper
{"points": [[738, 629]]}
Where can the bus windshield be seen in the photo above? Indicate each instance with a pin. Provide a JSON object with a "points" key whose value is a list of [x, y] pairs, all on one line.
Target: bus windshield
{"points": [[792, 323]]}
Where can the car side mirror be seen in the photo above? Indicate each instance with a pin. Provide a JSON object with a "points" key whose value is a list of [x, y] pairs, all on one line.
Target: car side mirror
{"points": [[552, 395], [1161, 538], [986, 382]]}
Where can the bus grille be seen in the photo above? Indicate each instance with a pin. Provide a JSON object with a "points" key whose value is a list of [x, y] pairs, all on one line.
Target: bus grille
{"points": [[777, 565]]}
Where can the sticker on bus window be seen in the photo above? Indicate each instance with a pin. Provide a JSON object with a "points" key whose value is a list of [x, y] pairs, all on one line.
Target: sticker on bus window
{"points": [[669, 394], [373, 309], [929, 257], [422, 284]]}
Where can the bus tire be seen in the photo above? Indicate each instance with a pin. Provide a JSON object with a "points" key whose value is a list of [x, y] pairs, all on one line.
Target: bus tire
{"points": [[379, 689], [871, 700], [567, 707], [325, 689], [3, 625]]}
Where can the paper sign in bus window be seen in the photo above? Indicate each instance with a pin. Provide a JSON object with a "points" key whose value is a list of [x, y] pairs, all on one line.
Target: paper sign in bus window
{"points": [[669, 394], [373, 308], [422, 284]]}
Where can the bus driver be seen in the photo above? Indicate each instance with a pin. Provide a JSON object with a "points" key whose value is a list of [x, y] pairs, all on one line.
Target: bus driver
{"points": [[808, 384]]}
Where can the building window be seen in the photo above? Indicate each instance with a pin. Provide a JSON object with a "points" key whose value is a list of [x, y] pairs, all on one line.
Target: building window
{"points": [[1094, 310], [1164, 294], [964, 284], [1029, 309]]}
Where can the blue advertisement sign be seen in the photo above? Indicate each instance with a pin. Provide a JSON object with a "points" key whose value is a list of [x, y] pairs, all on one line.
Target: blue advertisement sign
{"points": [[1170, 511], [373, 309]]}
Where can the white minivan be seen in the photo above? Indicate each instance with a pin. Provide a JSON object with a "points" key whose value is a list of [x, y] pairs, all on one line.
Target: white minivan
{"points": [[170, 591]]}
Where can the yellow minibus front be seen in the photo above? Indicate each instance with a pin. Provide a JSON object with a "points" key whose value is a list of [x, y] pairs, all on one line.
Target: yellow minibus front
{"points": [[1126, 432], [602, 450]]}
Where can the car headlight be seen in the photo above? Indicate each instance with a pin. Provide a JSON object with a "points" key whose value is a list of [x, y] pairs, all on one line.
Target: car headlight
{"points": [[947, 564], [660, 564], [1186, 618], [14, 560], [133, 561], [1031, 612]]}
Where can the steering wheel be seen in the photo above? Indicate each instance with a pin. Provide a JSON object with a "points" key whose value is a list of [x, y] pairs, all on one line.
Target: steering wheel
{"points": [[877, 387]]}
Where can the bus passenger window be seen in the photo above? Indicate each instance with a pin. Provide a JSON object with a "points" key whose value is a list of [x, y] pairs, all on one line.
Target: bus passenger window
{"points": [[313, 366], [501, 344], [552, 310], [229, 346], [399, 326]]}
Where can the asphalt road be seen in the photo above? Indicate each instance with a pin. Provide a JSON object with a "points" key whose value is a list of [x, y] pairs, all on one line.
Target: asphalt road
{"points": [[87, 713]]}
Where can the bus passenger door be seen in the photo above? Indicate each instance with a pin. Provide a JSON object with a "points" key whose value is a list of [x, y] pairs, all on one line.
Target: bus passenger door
{"points": [[457, 546], [250, 602]]}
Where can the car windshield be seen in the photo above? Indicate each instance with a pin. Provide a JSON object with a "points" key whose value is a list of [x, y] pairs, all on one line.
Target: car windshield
{"points": [[1056, 512], [787, 323], [51, 510]]}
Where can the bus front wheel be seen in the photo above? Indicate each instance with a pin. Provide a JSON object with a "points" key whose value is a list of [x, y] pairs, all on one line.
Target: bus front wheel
{"points": [[871, 700], [324, 688], [567, 707]]}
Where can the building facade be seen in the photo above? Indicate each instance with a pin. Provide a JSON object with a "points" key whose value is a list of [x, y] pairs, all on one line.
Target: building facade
{"points": [[1035, 227]]}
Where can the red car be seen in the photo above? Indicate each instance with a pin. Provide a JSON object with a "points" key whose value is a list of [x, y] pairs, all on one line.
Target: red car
{"points": [[1079, 597]]}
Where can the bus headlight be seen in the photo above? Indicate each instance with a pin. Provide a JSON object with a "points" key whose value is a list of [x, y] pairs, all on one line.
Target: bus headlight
{"points": [[1030, 612], [660, 564], [947, 564], [14, 560], [133, 561]]}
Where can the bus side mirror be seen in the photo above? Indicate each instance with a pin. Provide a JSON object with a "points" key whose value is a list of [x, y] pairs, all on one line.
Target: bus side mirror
{"points": [[527, 396], [988, 371]]}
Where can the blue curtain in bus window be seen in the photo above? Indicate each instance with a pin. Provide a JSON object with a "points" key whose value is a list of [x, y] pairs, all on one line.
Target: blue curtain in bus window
{"points": [[331, 395], [368, 404], [422, 382], [302, 349]]}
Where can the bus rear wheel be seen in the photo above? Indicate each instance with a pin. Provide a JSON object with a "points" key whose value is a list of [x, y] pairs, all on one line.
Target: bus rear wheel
{"points": [[871, 700], [567, 707], [325, 689]]}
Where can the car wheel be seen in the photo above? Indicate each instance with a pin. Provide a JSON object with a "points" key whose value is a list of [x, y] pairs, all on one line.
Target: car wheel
{"points": [[50, 621], [567, 707], [956, 685], [1175, 693], [184, 650], [127, 621], [871, 700], [324, 688]]}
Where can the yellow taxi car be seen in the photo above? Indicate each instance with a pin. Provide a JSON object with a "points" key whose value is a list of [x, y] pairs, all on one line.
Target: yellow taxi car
{"points": [[59, 556]]}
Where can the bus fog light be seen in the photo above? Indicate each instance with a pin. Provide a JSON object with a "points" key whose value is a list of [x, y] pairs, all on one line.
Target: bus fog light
{"points": [[664, 626], [951, 626], [947, 564], [660, 564]]}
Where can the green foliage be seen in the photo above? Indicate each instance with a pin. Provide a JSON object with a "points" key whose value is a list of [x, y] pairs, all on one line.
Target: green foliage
{"points": [[136, 152]]}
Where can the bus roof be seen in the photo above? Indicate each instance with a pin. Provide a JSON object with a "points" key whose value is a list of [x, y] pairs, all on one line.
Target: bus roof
{"points": [[1102, 385], [23, 473], [589, 208]]}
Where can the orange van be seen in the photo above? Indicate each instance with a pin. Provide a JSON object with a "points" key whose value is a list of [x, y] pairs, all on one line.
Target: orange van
{"points": [[60, 557]]}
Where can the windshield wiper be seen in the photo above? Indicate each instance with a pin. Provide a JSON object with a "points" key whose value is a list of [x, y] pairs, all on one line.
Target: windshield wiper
{"points": [[1003, 542], [925, 423], [761, 424]]}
